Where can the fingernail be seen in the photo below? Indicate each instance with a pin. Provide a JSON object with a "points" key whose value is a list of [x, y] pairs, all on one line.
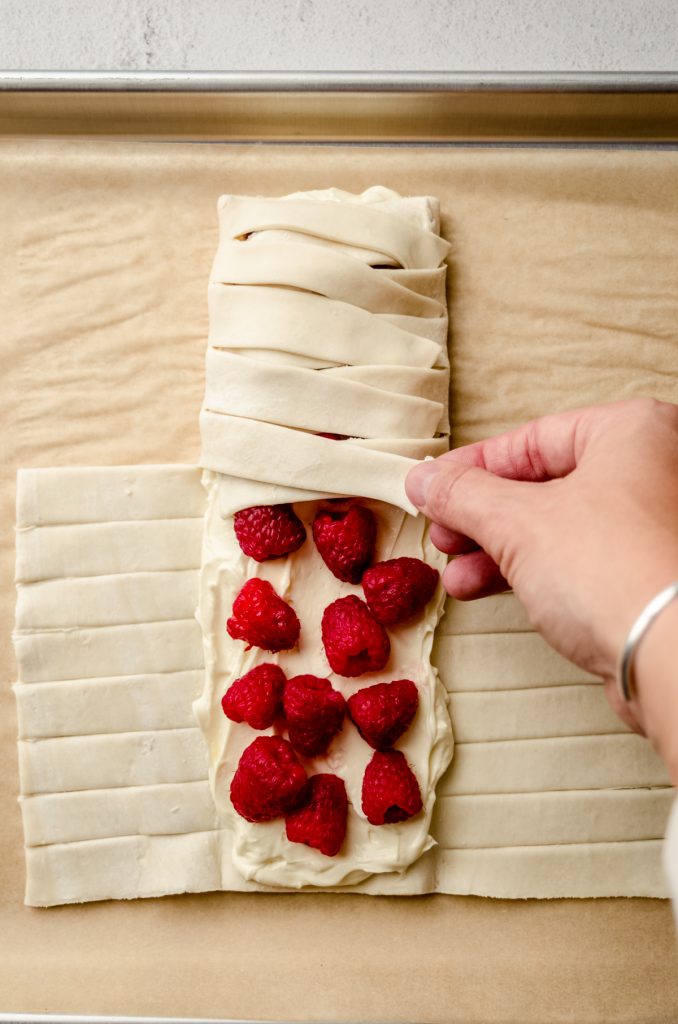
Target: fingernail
{"points": [[419, 480]]}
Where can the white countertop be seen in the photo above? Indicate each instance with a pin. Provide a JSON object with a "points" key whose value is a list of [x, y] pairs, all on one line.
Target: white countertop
{"points": [[340, 35]]}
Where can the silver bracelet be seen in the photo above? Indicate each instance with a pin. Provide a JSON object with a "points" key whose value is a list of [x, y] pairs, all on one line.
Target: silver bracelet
{"points": [[625, 677]]}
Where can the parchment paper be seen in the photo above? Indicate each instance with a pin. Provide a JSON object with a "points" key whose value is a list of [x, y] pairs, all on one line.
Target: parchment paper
{"points": [[563, 292]]}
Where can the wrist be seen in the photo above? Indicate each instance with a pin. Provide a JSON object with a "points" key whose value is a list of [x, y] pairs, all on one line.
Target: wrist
{"points": [[656, 678]]}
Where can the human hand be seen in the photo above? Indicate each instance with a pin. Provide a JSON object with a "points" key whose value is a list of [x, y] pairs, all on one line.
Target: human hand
{"points": [[578, 514]]}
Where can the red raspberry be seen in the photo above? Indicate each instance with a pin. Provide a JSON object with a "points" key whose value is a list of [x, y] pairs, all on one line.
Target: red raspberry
{"points": [[269, 781], [398, 589], [314, 712], [354, 641], [268, 531], [390, 790], [263, 619], [321, 820], [382, 713], [346, 541], [256, 698]]}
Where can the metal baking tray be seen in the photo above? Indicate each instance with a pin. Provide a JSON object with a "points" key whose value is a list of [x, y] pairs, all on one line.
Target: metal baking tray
{"points": [[437, 108], [343, 107]]}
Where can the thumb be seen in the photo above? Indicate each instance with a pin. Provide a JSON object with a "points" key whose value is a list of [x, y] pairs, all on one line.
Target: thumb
{"points": [[468, 500]]}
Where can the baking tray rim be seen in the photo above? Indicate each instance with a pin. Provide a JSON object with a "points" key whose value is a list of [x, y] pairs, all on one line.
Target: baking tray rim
{"points": [[338, 81]]}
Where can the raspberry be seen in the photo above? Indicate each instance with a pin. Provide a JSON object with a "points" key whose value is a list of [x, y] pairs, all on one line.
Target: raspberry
{"points": [[346, 541], [269, 781], [382, 713], [354, 641], [256, 698], [321, 820], [390, 790], [314, 712], [398, 589], [263, 619], [268, 531]]}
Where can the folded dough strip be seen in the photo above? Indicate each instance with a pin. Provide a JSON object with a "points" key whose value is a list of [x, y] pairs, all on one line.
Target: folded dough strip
{"points": [[324, 308], [252, 389], [326, 330], [323, 272], [361, 226], [235, 446]]}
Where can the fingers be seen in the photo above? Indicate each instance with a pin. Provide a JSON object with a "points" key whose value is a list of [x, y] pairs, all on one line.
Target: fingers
{"points": [[451, 542], [543, 449], [474, 575], [467, 500]]}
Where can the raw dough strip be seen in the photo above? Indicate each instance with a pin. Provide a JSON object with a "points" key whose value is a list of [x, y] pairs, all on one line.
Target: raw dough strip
{"points": [[81, 707], [142, 648], [552, 872], [115, 600], [365, 227], [297, 322], [482, 821], [109, 761], [479, 715], [239, 386], [540, 765], [234, 446], [163, 809], [108, 494], [97, 549], [504, 661], [332, 274]]}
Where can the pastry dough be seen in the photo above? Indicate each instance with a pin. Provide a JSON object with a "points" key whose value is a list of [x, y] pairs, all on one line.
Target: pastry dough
{"points": [[590, 825]]}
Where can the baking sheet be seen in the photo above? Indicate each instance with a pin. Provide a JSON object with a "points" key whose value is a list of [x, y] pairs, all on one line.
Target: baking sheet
{"points": [[313, 106], [563, 292]]}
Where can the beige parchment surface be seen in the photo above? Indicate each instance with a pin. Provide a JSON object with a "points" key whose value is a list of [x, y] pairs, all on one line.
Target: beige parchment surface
{"points": [[563, 291]]}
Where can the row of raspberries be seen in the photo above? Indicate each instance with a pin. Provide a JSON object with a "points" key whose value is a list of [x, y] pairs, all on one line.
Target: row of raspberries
{"points": [[346, 540], [269, 782], [353, 631], [314, 711]]}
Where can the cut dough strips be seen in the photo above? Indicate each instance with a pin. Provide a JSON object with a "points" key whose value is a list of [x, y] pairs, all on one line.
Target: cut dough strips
{"points": [[326, 315]]}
